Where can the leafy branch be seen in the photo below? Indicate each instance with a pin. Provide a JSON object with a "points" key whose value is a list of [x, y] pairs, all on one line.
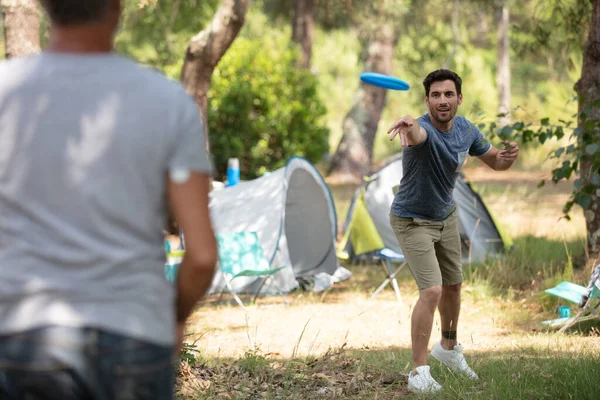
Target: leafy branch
{"points": [[580, 158]]}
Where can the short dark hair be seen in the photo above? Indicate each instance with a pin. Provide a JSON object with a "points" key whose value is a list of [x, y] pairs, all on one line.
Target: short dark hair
{"points": [[75, 12], [442, 75]]}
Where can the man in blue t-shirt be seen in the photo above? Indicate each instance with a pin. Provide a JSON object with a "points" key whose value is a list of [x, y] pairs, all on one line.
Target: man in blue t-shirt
{"points": [[424, 219]]}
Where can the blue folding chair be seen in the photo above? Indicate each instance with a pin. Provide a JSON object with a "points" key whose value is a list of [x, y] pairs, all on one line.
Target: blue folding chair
{"points": [[241, 255], [387, 256], [587, 299]]}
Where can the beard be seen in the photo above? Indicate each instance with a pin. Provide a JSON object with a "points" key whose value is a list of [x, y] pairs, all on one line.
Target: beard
{"points": [[448, 115]]}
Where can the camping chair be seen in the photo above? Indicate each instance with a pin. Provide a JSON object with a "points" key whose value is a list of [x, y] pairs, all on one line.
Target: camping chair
{"points": [[172, 264], [587, 298], [387, 256], [241, 255]]}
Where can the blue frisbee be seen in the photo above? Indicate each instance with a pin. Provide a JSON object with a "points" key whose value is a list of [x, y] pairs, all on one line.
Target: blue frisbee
{"points": [[384, 81]]}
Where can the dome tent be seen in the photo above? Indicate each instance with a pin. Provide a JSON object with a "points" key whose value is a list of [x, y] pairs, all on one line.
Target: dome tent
{"points": [[292, 211], [480, 236]]}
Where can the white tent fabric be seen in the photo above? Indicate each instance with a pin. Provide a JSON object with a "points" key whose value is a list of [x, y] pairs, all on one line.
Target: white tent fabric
{"points": [[479, 233], [293, 213]]}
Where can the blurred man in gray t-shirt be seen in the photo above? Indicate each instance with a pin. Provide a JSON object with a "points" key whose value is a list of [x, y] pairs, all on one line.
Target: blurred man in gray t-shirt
{"points": [[92, 149]]}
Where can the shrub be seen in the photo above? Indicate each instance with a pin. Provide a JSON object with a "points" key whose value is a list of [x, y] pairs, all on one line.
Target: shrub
{"points": [[263, 109]]}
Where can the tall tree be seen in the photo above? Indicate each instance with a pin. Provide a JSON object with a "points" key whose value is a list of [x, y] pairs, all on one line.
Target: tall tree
{"points": [[207, 47], [588, 90], [204, 52], [454, 22], [353, 157], [581, 20], [303, 27], [503, 68], [21, 27]]}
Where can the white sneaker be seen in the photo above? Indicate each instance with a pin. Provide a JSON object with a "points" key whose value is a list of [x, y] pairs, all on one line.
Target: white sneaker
{"points": [[422, 382], [453, 359]]}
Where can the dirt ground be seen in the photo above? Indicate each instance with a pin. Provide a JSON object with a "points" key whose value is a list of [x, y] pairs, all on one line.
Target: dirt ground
{"points": [[351, 318]]}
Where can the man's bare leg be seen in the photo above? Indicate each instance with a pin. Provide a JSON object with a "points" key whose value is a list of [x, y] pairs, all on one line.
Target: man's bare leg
{"points": [[449, 307], [422, 323]]}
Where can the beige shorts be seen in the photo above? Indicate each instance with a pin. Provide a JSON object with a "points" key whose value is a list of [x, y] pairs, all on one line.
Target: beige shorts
{"points": [[431, 248]]}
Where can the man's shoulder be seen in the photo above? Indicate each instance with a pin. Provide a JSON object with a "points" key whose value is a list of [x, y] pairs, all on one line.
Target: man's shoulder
{"points": [[424, 118], [425, 122], [463, 123], [18, 64], [155, 77], [157, 86]]}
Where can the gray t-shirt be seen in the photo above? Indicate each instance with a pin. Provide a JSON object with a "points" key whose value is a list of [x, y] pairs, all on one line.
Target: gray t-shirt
{"points": [[430, 169], [86, 142]]}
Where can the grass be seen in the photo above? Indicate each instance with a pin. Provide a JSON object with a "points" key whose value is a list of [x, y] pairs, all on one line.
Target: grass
{"points": [[341, 344], [551, 370]]}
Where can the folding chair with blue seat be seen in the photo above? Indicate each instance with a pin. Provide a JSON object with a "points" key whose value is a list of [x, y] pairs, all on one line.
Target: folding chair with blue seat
{"points": [[588, 300], [241, 255], [364, 236], [387, 257]]}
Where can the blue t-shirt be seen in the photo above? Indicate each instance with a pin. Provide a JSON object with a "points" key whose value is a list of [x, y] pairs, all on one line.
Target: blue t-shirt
{"points": [[430, 169]]}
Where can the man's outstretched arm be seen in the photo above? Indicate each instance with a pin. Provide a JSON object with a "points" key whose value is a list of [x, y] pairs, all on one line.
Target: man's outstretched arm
{"points": [[189, 201], [411, 133], [501, 160]]}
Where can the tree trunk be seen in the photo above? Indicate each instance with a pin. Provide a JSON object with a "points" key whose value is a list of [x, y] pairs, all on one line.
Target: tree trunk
{"points": [[454, 21], [206, 49], [21, 27], [503, 69], [352, 159], [588, 90], [204, 52], [303, 28]]}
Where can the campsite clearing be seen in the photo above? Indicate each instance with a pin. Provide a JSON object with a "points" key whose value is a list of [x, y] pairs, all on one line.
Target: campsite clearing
{"points": [[340, 344]]}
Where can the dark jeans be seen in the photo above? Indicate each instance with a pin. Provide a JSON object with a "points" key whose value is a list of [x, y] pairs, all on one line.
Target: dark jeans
{"points": [[57, 363]]}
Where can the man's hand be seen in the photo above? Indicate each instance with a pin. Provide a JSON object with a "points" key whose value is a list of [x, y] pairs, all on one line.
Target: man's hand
{"points": [[411, 133], [501, 160], [509, 154], [401, 127]]}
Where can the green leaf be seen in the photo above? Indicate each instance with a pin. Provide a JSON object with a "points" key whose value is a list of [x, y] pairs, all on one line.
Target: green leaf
{"points": [[591, 149], [527, 135], [559, 152], [588, 189], [584, 200], [545, 121], [590, 124], [558, 174], [567, 208], [541, 184], [568, 173]]}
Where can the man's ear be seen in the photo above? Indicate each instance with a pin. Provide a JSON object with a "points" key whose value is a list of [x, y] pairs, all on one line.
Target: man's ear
{"points": [[460, 99], [427, 101]]}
